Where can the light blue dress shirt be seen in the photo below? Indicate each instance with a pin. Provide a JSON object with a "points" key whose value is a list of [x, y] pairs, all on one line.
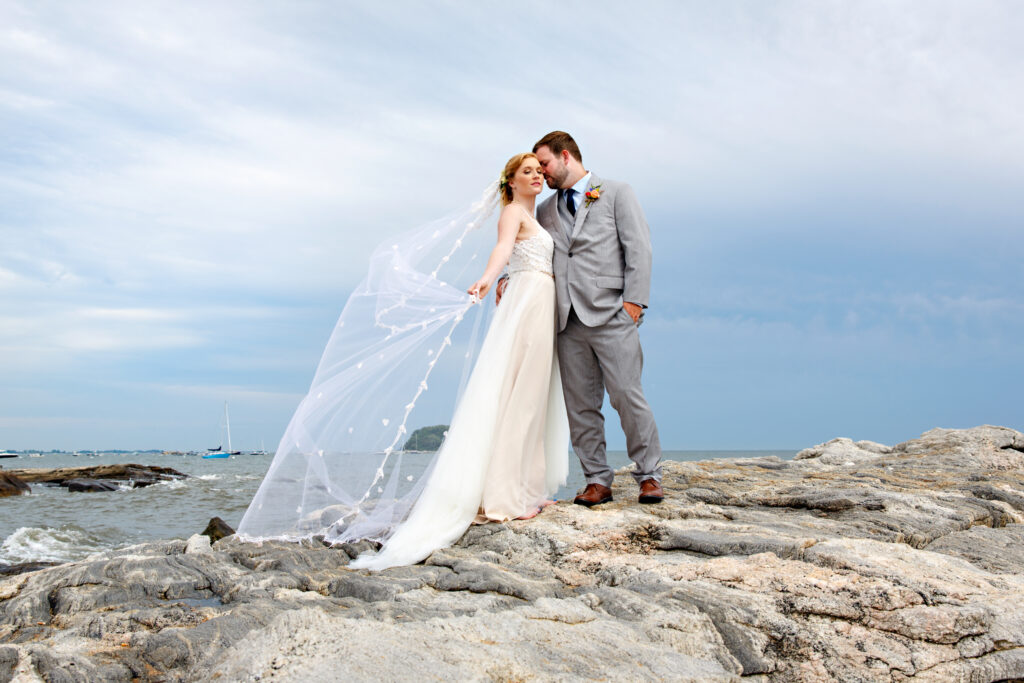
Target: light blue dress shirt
{"points": [[580, 190]]}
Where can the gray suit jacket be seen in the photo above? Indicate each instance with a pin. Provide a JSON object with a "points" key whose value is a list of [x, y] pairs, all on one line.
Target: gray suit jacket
{"points": [[607, 258]]}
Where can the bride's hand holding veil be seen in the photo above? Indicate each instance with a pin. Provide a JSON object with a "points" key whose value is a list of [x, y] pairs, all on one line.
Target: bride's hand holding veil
{"points": [[509, 225], [479, 288]]}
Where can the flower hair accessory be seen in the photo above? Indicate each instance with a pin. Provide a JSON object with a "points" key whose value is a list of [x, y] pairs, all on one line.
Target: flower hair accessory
{"points": [[593, 194], [502, 181]]}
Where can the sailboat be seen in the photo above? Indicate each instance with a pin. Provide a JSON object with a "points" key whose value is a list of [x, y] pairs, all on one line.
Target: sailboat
{"points": [[219, 451]]}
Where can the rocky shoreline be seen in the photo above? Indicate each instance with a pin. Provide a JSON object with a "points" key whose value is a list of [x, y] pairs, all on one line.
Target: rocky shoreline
{"points": [[852, 562]]}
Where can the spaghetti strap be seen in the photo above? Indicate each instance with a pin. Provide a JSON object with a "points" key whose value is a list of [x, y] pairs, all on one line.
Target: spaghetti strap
{"points": [[531, 220]]}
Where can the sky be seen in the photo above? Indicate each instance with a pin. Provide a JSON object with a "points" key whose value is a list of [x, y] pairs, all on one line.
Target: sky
{"points": [[190, 191]]}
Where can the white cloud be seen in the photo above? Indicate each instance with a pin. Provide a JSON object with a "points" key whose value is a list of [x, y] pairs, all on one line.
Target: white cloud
{"points": [[53, 334], [59, 335], [963, 310], [227, 392]]}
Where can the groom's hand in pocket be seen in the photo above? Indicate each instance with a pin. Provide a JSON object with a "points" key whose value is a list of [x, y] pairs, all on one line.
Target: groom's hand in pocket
{"points": [[635, 312], [499, 289]]}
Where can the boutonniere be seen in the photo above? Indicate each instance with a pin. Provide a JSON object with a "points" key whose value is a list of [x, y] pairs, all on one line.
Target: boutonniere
{"points": [[593, 194]]}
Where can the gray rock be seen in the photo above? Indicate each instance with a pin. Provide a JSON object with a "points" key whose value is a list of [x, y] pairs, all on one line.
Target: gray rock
{"points": [[905, 564], [999, 550], [9, 657], [843, 451], [715, 542], [198, 543], [57, 667]]}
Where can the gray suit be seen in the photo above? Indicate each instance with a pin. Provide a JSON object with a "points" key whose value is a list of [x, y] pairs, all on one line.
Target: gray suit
{"points": [[602, 258]]}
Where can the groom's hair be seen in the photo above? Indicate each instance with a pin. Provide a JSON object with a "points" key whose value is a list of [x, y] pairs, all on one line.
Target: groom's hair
{"points": [[558, 141]]}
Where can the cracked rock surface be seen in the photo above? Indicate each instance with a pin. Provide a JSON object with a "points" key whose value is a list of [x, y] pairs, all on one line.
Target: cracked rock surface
{"points": [[853, 562]]}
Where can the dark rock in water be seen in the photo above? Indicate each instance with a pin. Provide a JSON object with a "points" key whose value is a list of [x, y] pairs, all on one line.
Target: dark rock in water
{"points": [[89, 485], [12, 485], [217, 529], [120, 472], [23, 568], [855, 562]]}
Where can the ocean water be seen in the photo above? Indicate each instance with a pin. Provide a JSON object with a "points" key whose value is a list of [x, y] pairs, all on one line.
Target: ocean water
{"points": [[53, 524]]}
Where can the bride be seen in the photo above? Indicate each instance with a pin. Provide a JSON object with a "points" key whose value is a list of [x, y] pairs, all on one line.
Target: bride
{"points": [[494, 463], [506, 450]]}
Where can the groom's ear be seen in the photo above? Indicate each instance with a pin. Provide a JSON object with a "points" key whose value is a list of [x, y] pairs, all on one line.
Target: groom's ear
{"points": [[566, 156]]}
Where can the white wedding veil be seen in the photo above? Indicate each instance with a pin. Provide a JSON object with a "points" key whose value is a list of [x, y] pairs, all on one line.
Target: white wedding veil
{"points": [[395, 362]]}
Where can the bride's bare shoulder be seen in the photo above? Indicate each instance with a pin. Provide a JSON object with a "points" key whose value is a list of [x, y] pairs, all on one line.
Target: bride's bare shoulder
{"points": [[514, 213], [509, 215]]}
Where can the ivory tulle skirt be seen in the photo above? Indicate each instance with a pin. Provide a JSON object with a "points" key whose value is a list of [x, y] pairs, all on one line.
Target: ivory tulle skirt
{"points": [[507, 445]]}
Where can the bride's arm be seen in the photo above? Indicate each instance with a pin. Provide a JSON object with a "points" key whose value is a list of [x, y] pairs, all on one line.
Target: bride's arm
{"points": [[508, 230]]}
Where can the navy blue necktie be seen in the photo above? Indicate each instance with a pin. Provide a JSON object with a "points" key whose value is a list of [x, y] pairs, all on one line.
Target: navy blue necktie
{"points": [[569, 202]]}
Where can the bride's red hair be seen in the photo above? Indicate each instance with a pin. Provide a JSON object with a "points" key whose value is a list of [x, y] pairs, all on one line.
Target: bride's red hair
{"points": [[510, 170]]}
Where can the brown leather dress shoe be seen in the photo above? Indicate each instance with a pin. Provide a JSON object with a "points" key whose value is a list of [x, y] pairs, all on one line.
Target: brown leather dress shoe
{"points": [[594, 494], [651, 492]]}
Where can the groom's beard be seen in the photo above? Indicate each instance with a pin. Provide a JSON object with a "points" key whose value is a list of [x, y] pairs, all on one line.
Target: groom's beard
{"points": [[555, 180]]}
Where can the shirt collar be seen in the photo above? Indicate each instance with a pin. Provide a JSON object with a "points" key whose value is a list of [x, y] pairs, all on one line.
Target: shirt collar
{"points": [[582, 184]]}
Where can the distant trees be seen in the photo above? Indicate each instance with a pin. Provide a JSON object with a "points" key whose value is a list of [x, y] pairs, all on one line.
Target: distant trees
{"points": [[426, 438]]}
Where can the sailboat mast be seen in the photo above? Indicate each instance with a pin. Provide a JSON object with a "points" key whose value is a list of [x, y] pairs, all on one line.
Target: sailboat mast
{"points": [[227, 423]]}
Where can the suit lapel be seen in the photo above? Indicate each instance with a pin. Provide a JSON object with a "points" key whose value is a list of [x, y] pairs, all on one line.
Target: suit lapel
{"points": [[584, 208], [553, 219]]}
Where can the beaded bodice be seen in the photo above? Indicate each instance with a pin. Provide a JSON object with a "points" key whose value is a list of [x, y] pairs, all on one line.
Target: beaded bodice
{"points": [[533, 253]]}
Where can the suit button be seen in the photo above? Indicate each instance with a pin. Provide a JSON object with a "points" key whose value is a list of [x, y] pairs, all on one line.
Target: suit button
{"points": [[570, 254]]}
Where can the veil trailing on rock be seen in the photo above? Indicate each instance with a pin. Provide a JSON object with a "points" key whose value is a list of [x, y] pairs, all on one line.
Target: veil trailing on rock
{"points": [[396, 361]]}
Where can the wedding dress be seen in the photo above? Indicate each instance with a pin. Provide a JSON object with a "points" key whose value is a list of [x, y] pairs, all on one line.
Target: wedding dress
{"points": [[506, 448], [399, 357]]}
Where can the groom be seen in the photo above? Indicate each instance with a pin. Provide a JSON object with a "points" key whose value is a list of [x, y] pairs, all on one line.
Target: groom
{"points": [[602, 265]]}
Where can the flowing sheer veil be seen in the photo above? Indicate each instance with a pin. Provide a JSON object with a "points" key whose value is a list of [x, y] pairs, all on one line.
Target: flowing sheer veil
{"points": [[396, 361]]}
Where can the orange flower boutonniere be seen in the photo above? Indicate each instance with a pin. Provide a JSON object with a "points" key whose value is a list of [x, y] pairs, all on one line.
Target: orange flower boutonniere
{"points": [[593, 194]]}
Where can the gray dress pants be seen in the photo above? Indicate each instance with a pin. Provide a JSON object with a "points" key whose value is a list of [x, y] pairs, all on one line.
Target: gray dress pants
{"points": [[593, 359]]}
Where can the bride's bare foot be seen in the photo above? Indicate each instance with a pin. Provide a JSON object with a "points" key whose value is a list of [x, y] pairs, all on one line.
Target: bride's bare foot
{"points": [[531, 514], [536, 511]]}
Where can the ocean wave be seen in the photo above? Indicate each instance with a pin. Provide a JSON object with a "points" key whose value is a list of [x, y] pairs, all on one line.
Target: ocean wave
{"points": [[209, 477], [46, 544], [171, 484]]}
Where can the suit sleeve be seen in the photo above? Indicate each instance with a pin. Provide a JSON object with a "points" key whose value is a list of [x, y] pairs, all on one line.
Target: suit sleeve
{"points": [[635, 238]]}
